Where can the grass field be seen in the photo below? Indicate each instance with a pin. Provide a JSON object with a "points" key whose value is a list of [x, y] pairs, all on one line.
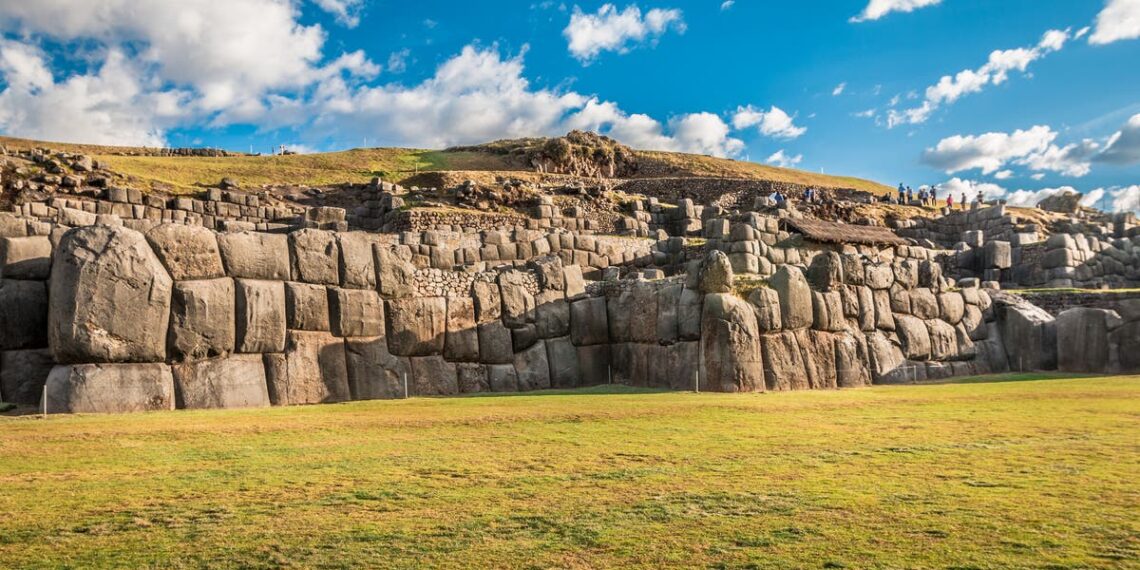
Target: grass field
{"points": [[1013, 474]]}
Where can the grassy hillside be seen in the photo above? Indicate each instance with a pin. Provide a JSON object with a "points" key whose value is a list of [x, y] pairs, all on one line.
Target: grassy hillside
{"points": [[360, 165], [1013, 474], [699, 165]]}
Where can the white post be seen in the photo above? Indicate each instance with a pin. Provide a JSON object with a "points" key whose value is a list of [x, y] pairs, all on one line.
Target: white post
{"points": [[697, 381], [43, 402], [405, 385]]}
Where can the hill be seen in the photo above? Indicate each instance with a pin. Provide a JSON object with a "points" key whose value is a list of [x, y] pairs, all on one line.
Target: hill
{"points": [[184, 173]]}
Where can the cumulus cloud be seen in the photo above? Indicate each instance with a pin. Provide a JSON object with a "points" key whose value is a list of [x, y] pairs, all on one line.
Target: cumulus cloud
{"points": [[1123, 147], [141, 82], [619, 31], [1120, 20], [398, 61], [107, 106], [878, 8], [781, 159], [346, 12], [1003, 175], [772, 123], [479, 95], [727, 4], [839, 89], [995, 71], [991, 152]]}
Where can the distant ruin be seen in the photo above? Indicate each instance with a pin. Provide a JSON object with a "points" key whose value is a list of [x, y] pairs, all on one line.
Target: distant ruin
{"points": [[118, 300]]}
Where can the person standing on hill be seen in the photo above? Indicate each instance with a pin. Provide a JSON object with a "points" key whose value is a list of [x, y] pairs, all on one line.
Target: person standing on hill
{"points": [[934, 196], [950, 202], [962, 203], [902, 192]]}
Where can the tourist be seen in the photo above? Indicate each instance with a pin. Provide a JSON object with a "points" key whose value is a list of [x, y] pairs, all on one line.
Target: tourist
{"points": [[779, 198], [902, 192], [950, 202], [962, 203], [922, 196], [934, 196]]}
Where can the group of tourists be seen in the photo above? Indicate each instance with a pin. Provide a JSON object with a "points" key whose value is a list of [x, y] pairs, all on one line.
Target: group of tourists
{"points": [[927, 196]]}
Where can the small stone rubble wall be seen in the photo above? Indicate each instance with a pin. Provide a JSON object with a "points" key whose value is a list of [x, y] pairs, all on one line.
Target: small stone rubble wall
{"points": [[1056, 303]]}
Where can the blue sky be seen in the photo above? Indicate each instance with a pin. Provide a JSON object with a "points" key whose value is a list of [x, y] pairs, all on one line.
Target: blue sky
{"points": [[1037, 95]]}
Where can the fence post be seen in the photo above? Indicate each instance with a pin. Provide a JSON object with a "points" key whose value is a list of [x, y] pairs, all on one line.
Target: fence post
{"points": [[697, 381], [405, 385], [43, 402]]}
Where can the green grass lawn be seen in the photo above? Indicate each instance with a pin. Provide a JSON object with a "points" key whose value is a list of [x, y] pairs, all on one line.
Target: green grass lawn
{"points": [[1013, 474]]}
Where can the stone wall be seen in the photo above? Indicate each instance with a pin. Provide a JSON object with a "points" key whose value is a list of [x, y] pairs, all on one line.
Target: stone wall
{"points": [[1056, 303]]}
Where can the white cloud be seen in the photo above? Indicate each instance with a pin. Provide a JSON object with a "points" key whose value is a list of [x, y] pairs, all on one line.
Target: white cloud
{"points": [[773, 123], [1124, 146], [610, 30], [1003, 175], [1038, 176], [779, 158], [1120, 20], [478, 95], [839, 89], [398, 61], [727, 4], [990, 152], [878, 8], [995, 71], [347, 12], [107, 106]]}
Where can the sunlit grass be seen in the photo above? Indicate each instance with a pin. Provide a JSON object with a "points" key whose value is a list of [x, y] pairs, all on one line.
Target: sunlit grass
{"points": [[1034, 473]]}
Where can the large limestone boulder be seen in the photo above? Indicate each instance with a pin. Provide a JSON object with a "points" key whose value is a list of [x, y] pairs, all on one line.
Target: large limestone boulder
{"points": [[109, 298], [187, 252], [668, 298], [355, 312], [826, 271], [201, 319], [109, 388], [715, 273], [23, 314], [260, 309], [923, 303], [533, 368], [434, 376], [594, 364], [256, 255], [373, 372], [589, 323], [886, 358], [562, 357], [25, 257], [357, 261], [502, 378], [827, 311], [951, 307], [1127, 340], [23, 374], [315, 258], [879, 277], [784, 366], [1083, 340], [818, 348], [311, 370], [518, 302], [306, 306], [851, 361], [913, 336], [495, 343], [488, 301], [767, 303], [237, 381], [643, 312], [472, 378], [943, 340], [394, 271], [689, 309], [417, 326], [795, 297], [731, 358], [462, 341], [1028, 332], [552, 314]]}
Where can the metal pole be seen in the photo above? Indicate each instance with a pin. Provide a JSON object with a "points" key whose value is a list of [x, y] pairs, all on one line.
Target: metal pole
{"points": [[405, 385], [43, 402], [697, 381]]}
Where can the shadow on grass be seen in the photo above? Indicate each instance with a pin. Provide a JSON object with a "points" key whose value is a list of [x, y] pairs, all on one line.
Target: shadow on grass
{"points": [[1012, 377], [602, 390]]}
